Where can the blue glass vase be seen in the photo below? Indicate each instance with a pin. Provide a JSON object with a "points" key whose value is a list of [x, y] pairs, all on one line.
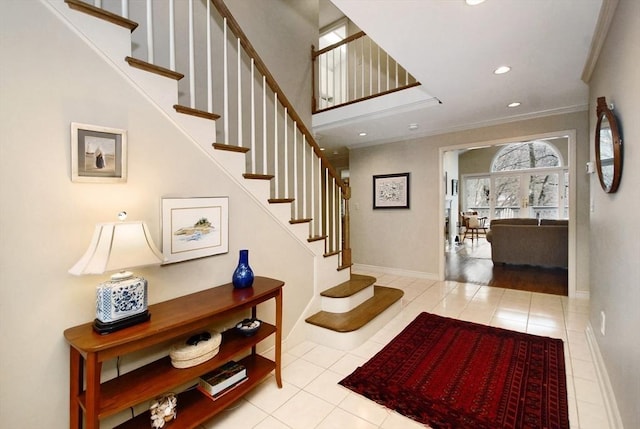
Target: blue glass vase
{"points": [[243, 275]]}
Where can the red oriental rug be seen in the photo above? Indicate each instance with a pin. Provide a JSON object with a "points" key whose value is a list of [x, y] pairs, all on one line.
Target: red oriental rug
{"points": [[449, 373]]}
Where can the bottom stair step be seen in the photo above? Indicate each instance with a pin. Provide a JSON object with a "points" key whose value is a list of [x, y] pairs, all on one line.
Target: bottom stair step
{"points": [[383, 298]]}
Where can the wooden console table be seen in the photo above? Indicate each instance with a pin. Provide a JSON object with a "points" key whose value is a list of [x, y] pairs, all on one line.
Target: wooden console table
{"points": [[170, 320]]}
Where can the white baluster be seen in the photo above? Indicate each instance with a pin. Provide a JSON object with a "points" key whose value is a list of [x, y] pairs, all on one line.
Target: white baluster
{"points": [[264, 125], [362, 66], [304, 177], [192, 67], [275, 144], [314, 222], [225, 83], [396, 74], [253, 118], [378, 61], [287, 190], [124, 6], [149, 32], [295, 170], [388, 72], [172, 35], [335, 211], [327, 215], [209, 65], [240, 143], [370, 68]]}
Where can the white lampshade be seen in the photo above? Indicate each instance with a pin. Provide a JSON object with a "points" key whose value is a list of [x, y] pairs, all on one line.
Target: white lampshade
{"points": [[117, 246]]}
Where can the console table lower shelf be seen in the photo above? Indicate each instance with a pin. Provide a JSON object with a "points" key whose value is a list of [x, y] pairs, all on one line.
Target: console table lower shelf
{"points": [[195, 408]]}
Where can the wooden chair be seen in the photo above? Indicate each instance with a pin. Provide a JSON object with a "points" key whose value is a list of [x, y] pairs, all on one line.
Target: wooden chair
{"points": [[473, 224]]}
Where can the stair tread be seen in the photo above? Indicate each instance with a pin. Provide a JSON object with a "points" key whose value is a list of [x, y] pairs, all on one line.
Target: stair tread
{"points": [[97, 12], [355, 319], [152, 68], [355, 284], [195, 112]]}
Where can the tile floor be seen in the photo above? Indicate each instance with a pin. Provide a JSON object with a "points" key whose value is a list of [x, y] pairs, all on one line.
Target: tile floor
{"points": [[311, 398]]}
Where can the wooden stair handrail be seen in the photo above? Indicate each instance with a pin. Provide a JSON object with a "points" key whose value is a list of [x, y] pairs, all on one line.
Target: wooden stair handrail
{"points": [[351, 38], [262, 68]]}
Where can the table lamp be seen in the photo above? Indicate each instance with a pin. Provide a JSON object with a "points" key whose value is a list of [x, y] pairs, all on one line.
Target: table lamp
{"points": [[121, 301]]}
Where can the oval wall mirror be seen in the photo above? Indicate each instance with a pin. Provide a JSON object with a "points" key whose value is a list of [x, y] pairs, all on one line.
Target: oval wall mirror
{"points": [[608, 148]]}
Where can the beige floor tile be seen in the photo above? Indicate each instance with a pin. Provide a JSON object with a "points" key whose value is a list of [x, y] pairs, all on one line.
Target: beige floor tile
{"points": [[323, 356], [364, 408], [271, 423], [341, 419], [303, 411], [301, 372], [326, 387]]}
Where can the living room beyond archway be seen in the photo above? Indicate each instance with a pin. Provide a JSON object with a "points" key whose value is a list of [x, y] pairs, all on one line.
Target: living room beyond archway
{"points": [[527, 181]]}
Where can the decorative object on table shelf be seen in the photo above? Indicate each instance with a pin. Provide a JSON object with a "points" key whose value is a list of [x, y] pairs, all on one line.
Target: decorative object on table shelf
{"points": [[243, 274], [196, 349], [98, 154], [163, 410], [194, 227], [116, 246], [222, 379], [249, 327]]}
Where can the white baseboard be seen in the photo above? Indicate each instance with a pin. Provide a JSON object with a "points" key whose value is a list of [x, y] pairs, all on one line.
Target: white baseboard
{"points": [[610, 404], [395, 271]]}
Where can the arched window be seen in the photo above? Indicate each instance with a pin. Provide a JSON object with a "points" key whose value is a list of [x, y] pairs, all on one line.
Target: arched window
{"points": [[526, 179], [521, 156]]}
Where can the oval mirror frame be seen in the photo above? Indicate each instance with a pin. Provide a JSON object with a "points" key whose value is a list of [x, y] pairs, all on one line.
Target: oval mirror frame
{"points": [[608, 148]]}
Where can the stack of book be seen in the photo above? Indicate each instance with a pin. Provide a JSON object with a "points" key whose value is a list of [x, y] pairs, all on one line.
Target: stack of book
{"points": [[222, 379]]}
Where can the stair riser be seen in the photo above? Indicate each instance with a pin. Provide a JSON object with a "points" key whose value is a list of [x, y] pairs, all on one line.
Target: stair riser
{"points": [[342, 305], [350, 340], [114, 41], [327, 274]]}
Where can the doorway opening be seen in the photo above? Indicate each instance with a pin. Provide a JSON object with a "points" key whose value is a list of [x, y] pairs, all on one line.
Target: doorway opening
{"points": [[523, 178]]}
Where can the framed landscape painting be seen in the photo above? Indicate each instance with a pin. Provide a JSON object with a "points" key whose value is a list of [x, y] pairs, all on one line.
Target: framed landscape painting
{"points": [[391, 191], [194, 227]]}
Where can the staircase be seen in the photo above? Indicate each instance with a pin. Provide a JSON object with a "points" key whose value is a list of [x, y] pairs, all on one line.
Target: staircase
{"points": [[353, 311], [282, 167]]}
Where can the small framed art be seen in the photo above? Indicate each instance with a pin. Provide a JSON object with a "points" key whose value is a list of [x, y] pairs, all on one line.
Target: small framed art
{"points": [[98, 154], [391, 191], [194, 227]]}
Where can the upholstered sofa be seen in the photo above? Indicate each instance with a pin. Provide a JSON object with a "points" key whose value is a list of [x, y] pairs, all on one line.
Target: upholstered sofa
{"points": [[527, 242]]}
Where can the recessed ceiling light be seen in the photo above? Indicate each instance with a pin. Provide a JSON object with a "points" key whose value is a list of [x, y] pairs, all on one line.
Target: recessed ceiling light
{"points": [[413, 127], [502, 70], [474, 2], [362, 134], [514, 104], [321, 148]]}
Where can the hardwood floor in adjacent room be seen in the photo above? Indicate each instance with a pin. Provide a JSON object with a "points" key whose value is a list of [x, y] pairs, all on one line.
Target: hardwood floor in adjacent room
{"points": [[470, 262]]}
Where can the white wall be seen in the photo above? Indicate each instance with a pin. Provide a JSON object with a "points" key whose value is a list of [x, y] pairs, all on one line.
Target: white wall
{"points": [[48, 79], [407, 240], [292, 26], [615, 241]]}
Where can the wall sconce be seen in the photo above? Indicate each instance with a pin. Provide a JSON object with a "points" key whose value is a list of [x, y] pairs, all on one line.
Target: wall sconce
{"points": [[121, 301]]}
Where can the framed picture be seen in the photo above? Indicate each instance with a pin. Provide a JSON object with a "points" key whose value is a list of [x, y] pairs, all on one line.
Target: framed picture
{"points": [[391, 191], [98, 154], [194, 227], [454, 186]]}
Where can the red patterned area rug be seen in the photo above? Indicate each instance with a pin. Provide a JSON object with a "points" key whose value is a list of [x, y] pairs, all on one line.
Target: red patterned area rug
{"points": [[449, 373]]}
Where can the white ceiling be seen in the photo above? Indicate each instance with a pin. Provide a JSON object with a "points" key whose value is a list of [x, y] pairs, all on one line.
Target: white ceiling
{"points": [[452, 49]]}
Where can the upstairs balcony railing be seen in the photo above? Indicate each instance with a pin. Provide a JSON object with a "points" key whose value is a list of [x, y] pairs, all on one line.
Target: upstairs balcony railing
{"points": [[353, 70], [224, 75]]}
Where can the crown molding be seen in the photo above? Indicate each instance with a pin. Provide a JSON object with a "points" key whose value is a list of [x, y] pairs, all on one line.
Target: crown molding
{"points": [[599, 36]]}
